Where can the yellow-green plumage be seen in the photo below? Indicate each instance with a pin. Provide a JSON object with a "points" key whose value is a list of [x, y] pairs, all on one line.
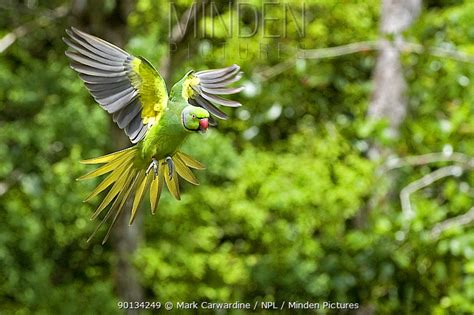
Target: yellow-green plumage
{"points": [[133, 92], [152, 89], [125, 178]]}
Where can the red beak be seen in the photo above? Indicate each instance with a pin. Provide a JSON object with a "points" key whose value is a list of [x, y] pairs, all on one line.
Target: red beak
{"points": [[203, 124]]}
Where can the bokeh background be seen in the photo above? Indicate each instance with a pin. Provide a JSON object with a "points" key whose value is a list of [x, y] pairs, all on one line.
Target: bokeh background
{"points": [[350, 107]]}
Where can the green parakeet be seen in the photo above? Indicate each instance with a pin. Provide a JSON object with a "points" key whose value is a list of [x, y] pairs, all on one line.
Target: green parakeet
{"points": [[133, 92]]}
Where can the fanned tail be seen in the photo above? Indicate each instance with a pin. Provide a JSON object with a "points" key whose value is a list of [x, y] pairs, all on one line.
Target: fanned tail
{"points": [[129, 181]]}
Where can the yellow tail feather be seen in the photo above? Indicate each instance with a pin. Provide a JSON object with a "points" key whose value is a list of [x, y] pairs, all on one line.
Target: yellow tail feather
{"points": [[190, 161], [106, 158], [184, 171], [130, 182], [155, 190], [115, 190], [142, 181], [110, 166], [172, 182]]}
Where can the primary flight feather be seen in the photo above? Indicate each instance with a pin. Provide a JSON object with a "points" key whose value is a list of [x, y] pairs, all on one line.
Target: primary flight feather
{"points": [[133, 92]]}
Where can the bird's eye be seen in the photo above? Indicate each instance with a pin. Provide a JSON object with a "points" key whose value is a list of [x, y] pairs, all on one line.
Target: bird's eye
{"points": [[194, 116]]}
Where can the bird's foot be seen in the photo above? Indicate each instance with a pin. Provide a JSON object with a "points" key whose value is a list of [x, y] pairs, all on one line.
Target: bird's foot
{"points": [[170, 163], [153, 165]]}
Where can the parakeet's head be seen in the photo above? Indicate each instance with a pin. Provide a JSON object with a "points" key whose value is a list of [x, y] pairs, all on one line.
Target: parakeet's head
{"points": [[195, 118]]}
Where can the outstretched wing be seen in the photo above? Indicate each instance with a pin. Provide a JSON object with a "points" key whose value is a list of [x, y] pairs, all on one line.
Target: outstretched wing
{"points": [[204, 87], [125, 86]]}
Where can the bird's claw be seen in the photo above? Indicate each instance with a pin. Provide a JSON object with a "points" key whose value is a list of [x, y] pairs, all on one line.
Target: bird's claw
{"points": [[170, 163], [154, 165]]}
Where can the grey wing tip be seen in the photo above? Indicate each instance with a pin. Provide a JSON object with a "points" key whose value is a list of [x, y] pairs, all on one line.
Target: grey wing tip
{"points": [[69, 32], [233, 67], [66, 41], [75, 30]]}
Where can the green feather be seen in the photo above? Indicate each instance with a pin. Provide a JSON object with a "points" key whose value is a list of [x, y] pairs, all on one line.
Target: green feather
{"points": [[110, 166], [106, 158], [117, 171], [183, 170], [116, 188], [189, 161], [172, 182], [155, 189], [119, 208], [117, 204], [143, 182]]}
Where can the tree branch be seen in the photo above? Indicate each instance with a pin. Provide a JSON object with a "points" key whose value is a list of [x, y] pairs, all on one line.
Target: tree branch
{"points": [[436, 51], [462, 163], [331, 52], [10, 38], [452, 170], [460, 220], [424, 159], [364, 46]]}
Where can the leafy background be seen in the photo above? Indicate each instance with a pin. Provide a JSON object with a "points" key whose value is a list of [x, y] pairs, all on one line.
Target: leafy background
{"points": [[285, 210]]}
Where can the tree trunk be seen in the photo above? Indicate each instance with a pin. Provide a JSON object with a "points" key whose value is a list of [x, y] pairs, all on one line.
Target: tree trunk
{"points": [[389, 98], [125, 239], [389, 95]]}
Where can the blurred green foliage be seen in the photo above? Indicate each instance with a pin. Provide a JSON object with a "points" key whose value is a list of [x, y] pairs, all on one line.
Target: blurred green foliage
{"points": [[275, 217]]}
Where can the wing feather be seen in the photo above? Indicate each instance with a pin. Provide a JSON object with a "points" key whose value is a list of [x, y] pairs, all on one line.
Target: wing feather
{"points": [[219, 100], [204, 87], [96, 72], [98, 63], [100, 44], [77, 40], [224, 83], [133, 129], [125, 116], [120, 103], [125, 86], [99, 80], [201, 102], [222, 91], [107, 86], [140, 134]]}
